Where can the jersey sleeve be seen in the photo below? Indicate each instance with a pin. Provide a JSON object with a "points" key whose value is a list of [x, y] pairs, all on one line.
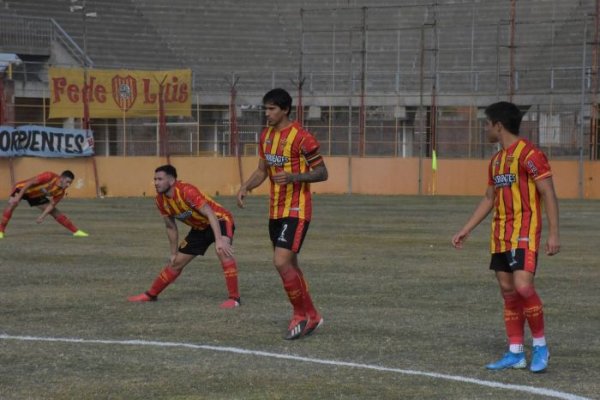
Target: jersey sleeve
{"points": [[490, 173], [44, 177], [159, 204], [310, 149], [193, 197], [537, 165], [261, 152]]}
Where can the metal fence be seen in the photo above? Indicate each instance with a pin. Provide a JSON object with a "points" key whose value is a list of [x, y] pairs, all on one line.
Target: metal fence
{"points": [[389, 130], [396, 81]]}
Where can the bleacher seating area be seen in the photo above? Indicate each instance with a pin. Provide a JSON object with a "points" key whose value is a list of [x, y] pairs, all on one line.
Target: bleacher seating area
{"points": [[466, 43]]}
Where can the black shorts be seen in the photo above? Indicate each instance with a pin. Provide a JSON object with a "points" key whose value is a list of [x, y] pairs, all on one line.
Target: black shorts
{"points": [[288, 233], [514, 260], [33, 201], [198, 240]]}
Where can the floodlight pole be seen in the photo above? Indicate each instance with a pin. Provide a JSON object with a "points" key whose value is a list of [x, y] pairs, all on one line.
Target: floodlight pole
{"points": [[594, 92], [85, 121], [363, 78], [511, 51]]}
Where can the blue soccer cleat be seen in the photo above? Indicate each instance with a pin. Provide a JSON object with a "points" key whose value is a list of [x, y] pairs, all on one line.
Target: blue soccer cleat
{"points": [[510, 360], [539, 359]]}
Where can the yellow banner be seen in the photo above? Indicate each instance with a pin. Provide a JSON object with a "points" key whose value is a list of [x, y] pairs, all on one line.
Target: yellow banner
{"points": [[119, 93]]}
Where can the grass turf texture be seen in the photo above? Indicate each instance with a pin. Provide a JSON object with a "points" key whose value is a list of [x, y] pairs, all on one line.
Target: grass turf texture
{"points": [[382, 271]]}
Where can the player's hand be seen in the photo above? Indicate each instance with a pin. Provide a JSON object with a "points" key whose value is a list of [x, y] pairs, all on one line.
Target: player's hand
{"points": [[240, 197], [223, 247], [172, 259], [39, 219], [552, 245], [459, 239], [14, 200], [281, 178]]}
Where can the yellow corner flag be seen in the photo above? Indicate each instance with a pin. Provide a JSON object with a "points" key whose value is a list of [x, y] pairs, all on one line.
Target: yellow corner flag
{"points": [[433, 161]]}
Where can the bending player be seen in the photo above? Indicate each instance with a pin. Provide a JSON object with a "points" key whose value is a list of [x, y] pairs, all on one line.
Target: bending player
{"points": [[43, 191], [210, 223]]}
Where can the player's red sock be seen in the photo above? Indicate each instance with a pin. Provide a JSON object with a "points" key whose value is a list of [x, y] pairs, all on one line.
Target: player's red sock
{"points": [[514, 320], [231, 278], [311, 311], [164, 279], [292, 283], [5, 218], [533, 310], [66, 222]]}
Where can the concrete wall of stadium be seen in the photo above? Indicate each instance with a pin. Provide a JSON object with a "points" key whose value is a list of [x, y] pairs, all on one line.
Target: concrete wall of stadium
{"points": [[132, 176]]}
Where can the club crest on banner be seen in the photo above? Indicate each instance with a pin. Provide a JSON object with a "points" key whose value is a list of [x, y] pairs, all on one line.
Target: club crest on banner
{"points": [[124, 91], [112, 93]]}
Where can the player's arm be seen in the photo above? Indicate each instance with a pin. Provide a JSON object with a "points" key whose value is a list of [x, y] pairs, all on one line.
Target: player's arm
{"points": [[49, 208], [546, 189], [173, 235], [221, 244], [257, 177], [28, 184], [483, 209], [318, 173]]}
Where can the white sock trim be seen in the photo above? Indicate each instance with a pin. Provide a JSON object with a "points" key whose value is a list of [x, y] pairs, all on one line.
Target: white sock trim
{"points": [[516, 348]]}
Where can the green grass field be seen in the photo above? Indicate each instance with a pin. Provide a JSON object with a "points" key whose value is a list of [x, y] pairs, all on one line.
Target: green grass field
{"points": [[392, 290]]}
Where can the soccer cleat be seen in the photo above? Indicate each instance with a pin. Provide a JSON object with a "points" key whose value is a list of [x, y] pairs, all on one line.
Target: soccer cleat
{"points": [[509, 360], [141, 298], [1, 235], [296, 327], [539, 359], [231, 303], [80, 233], [312, 325]]}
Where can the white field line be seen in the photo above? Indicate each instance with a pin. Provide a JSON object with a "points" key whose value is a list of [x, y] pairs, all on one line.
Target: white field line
{"points": [[457, 378]]}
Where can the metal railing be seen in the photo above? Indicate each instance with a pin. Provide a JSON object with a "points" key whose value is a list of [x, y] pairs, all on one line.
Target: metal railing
{"points": [[69, 44], [35, 35]]}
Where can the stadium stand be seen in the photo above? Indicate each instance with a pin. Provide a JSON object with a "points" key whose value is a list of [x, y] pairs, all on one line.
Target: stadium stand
{"points": [[393, 55]]}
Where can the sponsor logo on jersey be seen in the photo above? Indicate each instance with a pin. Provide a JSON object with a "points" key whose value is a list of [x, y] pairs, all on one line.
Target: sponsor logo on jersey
{"points": [[276, 160], [504, 180]]}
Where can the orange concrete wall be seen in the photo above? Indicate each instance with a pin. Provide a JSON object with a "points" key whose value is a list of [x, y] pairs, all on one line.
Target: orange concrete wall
{"points": [[132, 176]]}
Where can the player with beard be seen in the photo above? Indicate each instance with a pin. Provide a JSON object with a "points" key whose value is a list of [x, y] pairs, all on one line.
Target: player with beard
{"points": [[209, 222]]}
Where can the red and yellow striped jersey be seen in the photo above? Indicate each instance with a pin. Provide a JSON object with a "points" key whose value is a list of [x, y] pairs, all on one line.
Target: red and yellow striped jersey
{"points": [[293, 150], [517, 221], [45, 185], [186, 203]]}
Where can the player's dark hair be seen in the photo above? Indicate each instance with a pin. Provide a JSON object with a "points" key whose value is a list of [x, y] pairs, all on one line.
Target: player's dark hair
{"points": [[507, 114], [280, 97], [167, 169], [68, 174]]}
